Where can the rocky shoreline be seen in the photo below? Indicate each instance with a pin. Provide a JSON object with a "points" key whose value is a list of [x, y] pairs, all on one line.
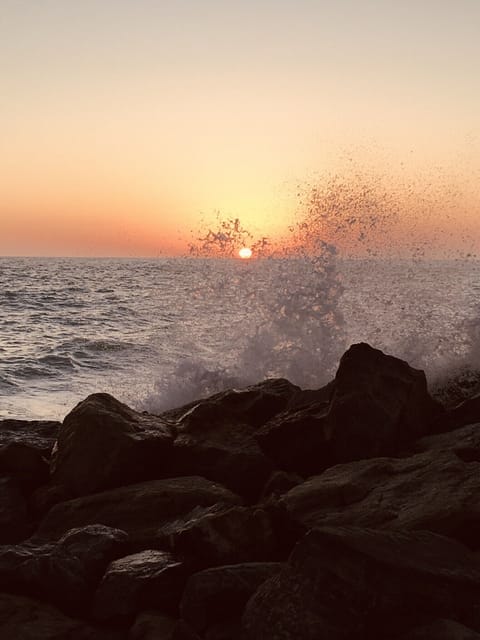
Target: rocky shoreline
{"points": [[267, 513]]}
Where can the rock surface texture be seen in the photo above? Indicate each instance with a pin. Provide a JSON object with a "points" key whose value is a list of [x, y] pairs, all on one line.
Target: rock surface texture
{"points": [[350, 512]]}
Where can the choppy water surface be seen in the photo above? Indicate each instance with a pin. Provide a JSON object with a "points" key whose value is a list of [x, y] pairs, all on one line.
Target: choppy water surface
{"points": [[157, 333]]}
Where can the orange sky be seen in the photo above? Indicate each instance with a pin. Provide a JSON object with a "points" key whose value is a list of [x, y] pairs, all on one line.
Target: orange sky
{"points": [[124, 124]]}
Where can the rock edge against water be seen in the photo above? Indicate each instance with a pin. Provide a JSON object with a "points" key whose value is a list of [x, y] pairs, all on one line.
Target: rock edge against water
{"points": [[267, 513]]}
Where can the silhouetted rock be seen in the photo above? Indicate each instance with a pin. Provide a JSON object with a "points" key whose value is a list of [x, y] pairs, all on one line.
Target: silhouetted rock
{"points": [[24, 619], [221, 535], [219, 595], [14, 517], [435, 491], [378, 405], [139, 509], [37, 434], [146, 580], [215, 436], [151, 625], [29, 468], [463, 442], [64, 573], [441, 630], [103, 444], [352, 583]]}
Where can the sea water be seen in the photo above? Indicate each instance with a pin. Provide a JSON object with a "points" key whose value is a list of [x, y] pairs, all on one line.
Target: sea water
{"points": [[157, 333]]}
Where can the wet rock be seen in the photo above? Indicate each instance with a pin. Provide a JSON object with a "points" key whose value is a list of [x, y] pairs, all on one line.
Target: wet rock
{"points": [[24, 619], [378, 405], [146, 580], [435, 491], [36, 434], [219, 595], [351, 583], [463, 442], [26, 464], [64, 573], [253, 405], [221, 535], [441, 630], [140, 509], [215, 436], [152, 626], [103, 444], [14, 516]]}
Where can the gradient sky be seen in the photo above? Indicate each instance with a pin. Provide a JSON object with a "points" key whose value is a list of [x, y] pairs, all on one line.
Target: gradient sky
{"points": [[125, 123]]}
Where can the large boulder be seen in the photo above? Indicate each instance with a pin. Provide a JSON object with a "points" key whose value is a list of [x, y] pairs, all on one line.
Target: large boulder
{"points": [[376, 406], [463, 442], [14, 515], [220, 535], [64, 573], [215, 437], [353, 583], [102, 443], [24, 463], [435, 491], [37, 434], [151, 625], [146, 580], [140, 509], [219, 595], [24, 619]]}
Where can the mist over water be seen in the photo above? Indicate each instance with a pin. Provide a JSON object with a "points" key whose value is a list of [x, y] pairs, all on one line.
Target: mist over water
{"points": [[160, 333]]}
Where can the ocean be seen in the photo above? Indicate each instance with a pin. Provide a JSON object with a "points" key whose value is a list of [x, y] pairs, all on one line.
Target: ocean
{"points": [[157, 333]]}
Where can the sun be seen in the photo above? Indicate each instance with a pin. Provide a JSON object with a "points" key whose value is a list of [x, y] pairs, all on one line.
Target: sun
{"points": [[245, 253]]}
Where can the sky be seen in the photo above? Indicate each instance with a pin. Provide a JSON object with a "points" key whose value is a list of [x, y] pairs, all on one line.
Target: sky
{"points": [[126, 124]]}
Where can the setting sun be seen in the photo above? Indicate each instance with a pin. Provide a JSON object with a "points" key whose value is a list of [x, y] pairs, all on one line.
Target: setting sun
{"points": [[245, 253]]}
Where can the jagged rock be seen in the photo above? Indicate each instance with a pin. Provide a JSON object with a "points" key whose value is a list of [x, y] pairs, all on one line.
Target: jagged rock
{"points": [[221, 535], [435, 491], [152, 626], [103, 444], [280, 482], [146, 580], [24, 619], [463, 442], [253, 405], [37, 434], [64, 573], [219, 595], [215, 436], [441, 630], [353, 583], [378, 405], [26, 464], [14, 517], [139, 509]]}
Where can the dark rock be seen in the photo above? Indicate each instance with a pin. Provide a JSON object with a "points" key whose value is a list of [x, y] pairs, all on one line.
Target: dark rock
{"points": [[24, 619], [184, 631], [64, 573], [46, 497], [215, 436], [280, 482], [465, 413], [220, 594], [14, 516], [378, 405], [353, 583], [221, 535], [146, 580], [151, 625], [103, 444], [463, 442], [37, 434], [139, 509], [441, 630], [435, 491], [253, 405], [26, 464]]}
